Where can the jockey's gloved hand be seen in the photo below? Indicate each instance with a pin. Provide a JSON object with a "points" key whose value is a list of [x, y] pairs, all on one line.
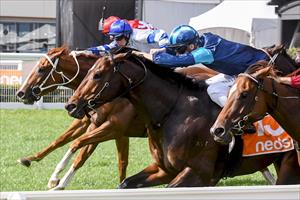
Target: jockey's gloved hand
{"points": [[78, 53]]}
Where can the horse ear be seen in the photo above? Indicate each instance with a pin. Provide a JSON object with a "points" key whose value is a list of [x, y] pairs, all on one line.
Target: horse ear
{"points": [[122, 56], [263, 72]]}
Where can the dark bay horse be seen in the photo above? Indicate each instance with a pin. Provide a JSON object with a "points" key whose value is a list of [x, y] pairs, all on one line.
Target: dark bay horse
{"points": [[256, 93], [59, 68], [178, 113]]}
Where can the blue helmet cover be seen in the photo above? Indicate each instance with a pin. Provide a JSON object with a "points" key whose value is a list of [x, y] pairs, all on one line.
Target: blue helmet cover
{"points": [[183, 35], [119, 28]]}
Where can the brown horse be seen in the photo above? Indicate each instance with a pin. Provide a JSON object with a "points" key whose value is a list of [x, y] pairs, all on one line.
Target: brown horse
{"points": [[178, 115], [256, 93], [49, 74]]}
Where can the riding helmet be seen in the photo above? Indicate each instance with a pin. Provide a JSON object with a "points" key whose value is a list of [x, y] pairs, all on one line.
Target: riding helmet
{"points": [[120, 28], [183, 35], [108, 22]]}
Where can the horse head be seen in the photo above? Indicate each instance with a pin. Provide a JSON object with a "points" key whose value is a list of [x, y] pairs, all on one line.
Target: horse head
{"points": [[247, 99], [56, 68], [284, 63], [111, 76]]}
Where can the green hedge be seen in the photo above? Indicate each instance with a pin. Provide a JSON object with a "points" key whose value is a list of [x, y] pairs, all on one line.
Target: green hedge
{"points": [[292, 52]]}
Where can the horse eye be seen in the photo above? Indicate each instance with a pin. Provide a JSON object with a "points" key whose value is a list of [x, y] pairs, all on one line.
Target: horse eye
{"points": [[97, 77], [244, 95], [41, 70]]}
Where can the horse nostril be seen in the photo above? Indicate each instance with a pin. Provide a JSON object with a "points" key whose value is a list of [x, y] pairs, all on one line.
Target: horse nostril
{"points": [[219, 131], [20, 94], [70, 107], [36, 90]]}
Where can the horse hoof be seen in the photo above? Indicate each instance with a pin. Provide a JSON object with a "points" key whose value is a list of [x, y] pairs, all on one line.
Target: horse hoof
{"points": [[123, 185], [25, 162], [57, 188], [53, 184]]}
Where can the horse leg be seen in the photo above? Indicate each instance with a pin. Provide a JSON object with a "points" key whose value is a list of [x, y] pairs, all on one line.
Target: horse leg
{"points": [[150, 176], [77, 128], [122, 144], [83, 155], [289, 170], [189, 178], [53, 181], [268, 176], [107, 131]]}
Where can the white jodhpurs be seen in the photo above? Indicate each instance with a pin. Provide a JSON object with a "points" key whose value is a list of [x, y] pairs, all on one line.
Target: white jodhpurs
{"points": [[219, 87]]}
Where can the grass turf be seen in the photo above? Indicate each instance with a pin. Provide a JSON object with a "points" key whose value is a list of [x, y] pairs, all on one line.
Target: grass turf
{"points": [[24, 132]]}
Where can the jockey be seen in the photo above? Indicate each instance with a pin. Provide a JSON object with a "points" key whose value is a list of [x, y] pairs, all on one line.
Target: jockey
{"points": [[133, 33], [227, 57]]}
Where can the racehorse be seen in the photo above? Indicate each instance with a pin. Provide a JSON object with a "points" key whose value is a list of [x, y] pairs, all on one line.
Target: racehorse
{"points": [[178, 112], [58, 68], [256, 93]]}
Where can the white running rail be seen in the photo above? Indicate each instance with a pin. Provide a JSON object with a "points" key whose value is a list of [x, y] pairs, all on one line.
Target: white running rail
{"points": [[278, 192]]}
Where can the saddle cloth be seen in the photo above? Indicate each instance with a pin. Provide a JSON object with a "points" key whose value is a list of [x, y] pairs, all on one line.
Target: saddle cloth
{"points": [[269, 138]]}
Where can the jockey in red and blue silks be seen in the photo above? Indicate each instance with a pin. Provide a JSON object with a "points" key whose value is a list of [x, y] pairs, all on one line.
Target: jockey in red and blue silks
{"points": [[227, 57], [133, 33]]}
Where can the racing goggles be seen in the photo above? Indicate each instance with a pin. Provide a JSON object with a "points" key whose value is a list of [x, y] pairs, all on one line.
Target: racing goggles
{"points": [[117, 37], [178, 49]]}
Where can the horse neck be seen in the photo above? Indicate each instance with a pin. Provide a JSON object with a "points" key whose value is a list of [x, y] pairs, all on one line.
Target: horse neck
{"points": [[282, 109], [285, 64], [154, 97], [69, 67]]}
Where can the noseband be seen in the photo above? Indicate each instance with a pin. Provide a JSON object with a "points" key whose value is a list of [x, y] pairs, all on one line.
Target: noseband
{"points": [[96, 100], [37, 89]]}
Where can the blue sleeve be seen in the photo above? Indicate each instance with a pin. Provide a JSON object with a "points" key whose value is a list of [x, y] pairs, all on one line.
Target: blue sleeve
{"points": [[203, 55], [168, 60], [106, 47]]}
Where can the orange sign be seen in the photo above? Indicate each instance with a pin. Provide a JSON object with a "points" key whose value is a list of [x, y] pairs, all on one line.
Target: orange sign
{"points": [[10, 77], [269, 138]]}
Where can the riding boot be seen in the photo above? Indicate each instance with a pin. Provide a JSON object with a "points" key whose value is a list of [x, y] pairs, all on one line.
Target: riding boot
{"points": [[249, 128]]}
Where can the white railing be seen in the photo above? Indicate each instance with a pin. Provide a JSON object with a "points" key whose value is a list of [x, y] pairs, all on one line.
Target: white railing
{"points": [[53, 100], [278, 192]]}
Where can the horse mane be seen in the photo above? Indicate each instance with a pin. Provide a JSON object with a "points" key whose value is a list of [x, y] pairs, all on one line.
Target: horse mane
{"points": [[174, 77], [163, 72], [65, 50]]}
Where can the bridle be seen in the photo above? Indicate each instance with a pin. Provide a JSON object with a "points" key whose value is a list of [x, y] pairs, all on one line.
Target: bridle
{"points": [[116, 70], [37, 89], [259, 86]]}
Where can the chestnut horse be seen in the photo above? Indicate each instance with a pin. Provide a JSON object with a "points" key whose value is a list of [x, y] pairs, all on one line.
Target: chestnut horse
{"points": [[46, 77], [178, 116], [59, 68], [256, 93]]}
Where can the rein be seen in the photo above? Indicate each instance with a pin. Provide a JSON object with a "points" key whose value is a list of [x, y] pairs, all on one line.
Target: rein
{"points": [[260, 86], [92, 102], [36, 90]]}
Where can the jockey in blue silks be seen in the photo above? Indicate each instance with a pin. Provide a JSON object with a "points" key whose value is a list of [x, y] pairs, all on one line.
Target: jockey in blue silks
{"points": [[133, 33], [227, 57]]}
